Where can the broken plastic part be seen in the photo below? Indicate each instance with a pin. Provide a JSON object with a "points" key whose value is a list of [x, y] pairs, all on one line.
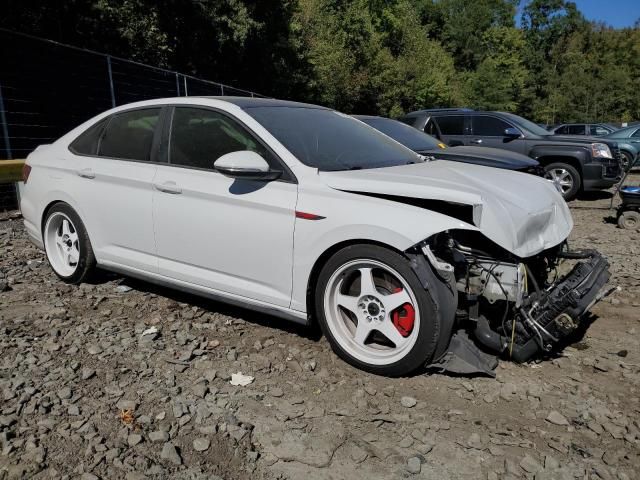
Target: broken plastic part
{"points": [[465, 358]]}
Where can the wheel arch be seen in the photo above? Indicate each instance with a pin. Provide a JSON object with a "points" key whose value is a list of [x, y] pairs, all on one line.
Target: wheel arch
{"points": [[549, 159], [322, 259]]}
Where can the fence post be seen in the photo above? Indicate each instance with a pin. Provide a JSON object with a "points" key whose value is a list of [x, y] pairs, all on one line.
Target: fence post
{"points": [[222, 90], [177, 85], [186, 90], [113, 93], [5, 126]]}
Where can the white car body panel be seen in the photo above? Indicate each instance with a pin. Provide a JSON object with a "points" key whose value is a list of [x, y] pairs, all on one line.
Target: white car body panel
{"points": [[231, 236], [246, 245], [522, 213]]}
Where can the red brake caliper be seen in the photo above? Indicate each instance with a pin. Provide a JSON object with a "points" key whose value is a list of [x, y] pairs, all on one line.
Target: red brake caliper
{"points": [[403, 317]]}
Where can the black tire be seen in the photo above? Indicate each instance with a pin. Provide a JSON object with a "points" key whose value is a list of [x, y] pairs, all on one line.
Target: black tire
{"points": [[429, 326], [87, 260], [626, 160], [629, 219], [571, 193]]}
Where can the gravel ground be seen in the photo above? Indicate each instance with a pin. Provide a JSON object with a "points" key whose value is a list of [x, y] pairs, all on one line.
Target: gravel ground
{"points": [[120, 379]]}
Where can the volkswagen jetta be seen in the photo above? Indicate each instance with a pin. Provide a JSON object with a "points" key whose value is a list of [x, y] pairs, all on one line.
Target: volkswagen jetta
{"points": [[307, 214]]}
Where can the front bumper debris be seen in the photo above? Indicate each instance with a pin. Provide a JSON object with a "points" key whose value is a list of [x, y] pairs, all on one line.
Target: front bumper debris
{"points": [[560, 311]]}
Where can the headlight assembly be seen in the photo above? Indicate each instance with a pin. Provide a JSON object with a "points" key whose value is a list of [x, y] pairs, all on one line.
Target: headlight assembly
{"points": [[600, 150]]}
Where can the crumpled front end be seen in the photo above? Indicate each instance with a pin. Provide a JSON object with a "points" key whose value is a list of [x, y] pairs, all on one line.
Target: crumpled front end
{"points": [[514, 308]]}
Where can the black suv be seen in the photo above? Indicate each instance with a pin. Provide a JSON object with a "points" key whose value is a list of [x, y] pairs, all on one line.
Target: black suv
{"points": [[572, 163]]}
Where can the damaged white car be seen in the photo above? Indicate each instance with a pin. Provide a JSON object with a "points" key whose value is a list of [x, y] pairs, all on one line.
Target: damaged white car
{"points": [[308, 214]]}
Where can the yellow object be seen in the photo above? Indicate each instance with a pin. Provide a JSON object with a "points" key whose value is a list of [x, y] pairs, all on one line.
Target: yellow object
{"points": [[11, 170], [442, 145]]}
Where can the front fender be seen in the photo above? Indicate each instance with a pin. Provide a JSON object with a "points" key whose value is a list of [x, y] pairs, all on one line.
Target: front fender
{"points": [[579, 153], [350, 217]]}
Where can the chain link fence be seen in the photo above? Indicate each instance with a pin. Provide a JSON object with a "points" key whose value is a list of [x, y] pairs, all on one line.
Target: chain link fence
{"points": [[47, 88]]}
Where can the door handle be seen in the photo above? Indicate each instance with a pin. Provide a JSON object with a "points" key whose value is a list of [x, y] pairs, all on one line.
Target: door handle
{"points": [[86, 173], [477, 141], [168, 187]]}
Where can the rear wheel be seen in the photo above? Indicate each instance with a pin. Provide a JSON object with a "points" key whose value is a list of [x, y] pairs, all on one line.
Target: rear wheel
{"points": [[67, 244], [629, 220], [375, 313], [565, 177]]}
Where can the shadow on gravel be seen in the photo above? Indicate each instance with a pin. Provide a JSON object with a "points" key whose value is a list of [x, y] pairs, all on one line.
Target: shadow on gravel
{"points": [[595, 195], [265, 320]]}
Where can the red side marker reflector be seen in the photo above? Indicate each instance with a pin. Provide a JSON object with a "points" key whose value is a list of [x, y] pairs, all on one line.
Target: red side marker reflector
{"points": [[308, 216]]}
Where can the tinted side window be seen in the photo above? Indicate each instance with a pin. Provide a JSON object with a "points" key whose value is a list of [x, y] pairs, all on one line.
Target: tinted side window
{"points": [[200, 136], [129, 135], [451, 125], [598, 130], [636, 134], [575, 130], [489, 126], [562, 130], [87, 142]]}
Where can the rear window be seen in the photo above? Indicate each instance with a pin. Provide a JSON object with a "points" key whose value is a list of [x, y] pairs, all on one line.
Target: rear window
{"points": [[129, 135], [406, 135], [451, 125], [87, 142]]}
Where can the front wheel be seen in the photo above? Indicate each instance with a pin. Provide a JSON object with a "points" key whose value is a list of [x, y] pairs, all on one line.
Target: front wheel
{"points": [[565, 177], [627, 160], [375, 313], [67, 244]]}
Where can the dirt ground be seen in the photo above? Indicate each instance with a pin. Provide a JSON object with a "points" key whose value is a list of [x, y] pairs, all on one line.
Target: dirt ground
{"points": [[120, 379]]}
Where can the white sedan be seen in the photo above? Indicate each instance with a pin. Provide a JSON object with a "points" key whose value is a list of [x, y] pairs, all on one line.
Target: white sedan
{"points": [[307, 214]]}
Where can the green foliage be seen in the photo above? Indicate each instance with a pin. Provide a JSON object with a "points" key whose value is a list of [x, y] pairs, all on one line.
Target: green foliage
{"points": [[370, 56]]}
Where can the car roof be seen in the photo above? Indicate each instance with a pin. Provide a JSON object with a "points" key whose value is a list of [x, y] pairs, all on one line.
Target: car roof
{"points": [[438, 110], [253, 102], [371, 117]]}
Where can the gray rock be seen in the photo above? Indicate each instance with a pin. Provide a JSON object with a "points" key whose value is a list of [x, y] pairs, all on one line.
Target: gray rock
{"points": [[64, 393], [87, 373], [414, 465], [134, 439], [557, 418], [170, 454], [201, 444], [94, 350], [408, 402], [159, 436], [530, 464]]}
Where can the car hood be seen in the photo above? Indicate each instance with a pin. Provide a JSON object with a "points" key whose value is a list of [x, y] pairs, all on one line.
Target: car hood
{"points": [[578, 139], [489, 157], [522, 213]]}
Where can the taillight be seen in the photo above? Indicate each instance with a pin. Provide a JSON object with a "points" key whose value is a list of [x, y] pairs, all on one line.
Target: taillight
{"points": [[26, 170]]}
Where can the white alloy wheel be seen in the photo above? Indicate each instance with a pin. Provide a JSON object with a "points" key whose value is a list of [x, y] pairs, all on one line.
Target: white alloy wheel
{"points": [[361, 301], [62, 244]]}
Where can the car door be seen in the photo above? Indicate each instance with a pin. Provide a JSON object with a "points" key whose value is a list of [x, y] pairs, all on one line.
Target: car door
{"points": [[226, 234], [113, 184], [452, 129], [489, 131]]}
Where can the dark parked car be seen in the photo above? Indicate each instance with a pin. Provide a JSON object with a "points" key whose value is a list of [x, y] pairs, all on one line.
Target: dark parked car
{"points": [[573, 163], [628, 140], [591, 129], [427, 145]]}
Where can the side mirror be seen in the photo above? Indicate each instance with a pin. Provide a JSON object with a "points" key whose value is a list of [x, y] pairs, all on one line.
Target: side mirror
{"points": [[246, 165], [512, 132]]}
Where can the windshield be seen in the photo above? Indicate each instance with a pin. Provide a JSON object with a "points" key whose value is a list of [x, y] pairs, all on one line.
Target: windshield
{"points": [[406, 135], [329, 140], [528, 125]]}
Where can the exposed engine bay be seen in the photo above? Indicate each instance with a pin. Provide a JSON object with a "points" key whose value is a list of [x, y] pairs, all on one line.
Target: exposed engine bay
{"points": [[511, 307]]}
